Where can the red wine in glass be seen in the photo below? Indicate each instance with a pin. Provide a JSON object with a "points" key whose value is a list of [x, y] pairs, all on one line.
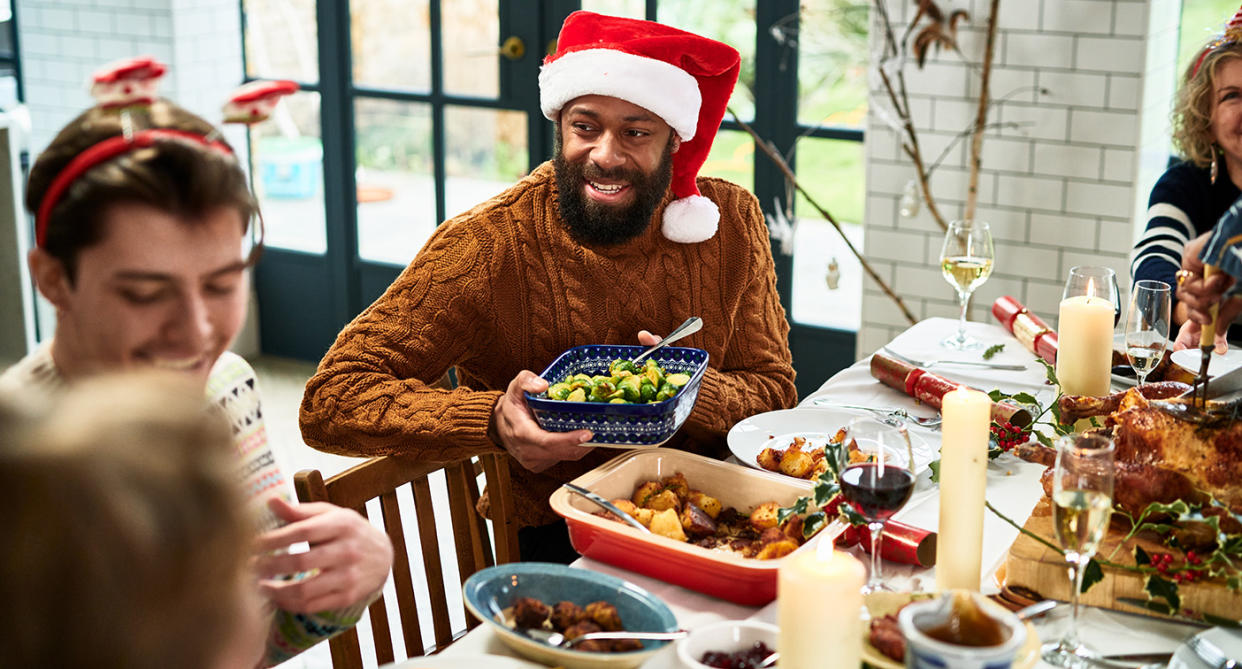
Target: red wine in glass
{"points": [[876, 490]]}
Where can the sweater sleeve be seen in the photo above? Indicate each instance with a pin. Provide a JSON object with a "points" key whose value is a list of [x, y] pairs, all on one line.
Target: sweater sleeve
{"points": [[756, 373], [1170, 226], [372, 394]]}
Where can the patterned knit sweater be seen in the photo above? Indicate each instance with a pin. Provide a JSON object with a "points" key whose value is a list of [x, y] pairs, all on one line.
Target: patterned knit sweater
{"points": [[503, 287], [232, 387]]}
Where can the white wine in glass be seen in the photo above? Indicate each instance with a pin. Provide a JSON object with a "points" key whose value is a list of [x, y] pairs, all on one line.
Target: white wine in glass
{"points": [[966, 262], [1082, 503], [1147, 325]]}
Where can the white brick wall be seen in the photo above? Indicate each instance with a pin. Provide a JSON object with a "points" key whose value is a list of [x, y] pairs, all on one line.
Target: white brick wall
{"points": [[63, 42], [1067, 185]]}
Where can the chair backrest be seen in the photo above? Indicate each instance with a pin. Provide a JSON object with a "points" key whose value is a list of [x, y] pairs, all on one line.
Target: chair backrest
{"points": [[380, 478]]}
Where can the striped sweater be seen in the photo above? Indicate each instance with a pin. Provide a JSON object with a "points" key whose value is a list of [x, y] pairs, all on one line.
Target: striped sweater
{"points": [[1184, 204]]}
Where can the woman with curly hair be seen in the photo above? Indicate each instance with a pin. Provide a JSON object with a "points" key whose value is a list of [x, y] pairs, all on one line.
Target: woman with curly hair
{"points": [[1207, 132]]}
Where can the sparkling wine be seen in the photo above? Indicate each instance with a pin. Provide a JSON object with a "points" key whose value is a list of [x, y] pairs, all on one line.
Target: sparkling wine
{"points": [[1143, 358], [1080, 518], [877, 491], [965, 273]]}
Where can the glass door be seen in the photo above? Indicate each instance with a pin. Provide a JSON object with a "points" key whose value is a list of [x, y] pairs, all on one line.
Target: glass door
{"points": [[410, 112]]}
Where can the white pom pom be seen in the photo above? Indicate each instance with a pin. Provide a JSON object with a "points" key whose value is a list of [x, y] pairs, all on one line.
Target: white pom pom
{"points": [[691, 219]]}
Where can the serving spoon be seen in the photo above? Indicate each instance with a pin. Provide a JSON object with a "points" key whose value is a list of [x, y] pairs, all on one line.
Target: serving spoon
{"points": [[557, 639], [691, 326]]}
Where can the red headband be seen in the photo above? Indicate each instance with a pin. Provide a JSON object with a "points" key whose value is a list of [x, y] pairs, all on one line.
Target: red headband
{"points": [[103, 152]]}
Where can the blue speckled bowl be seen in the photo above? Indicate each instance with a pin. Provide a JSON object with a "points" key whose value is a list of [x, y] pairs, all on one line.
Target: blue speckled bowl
{"points": [[620, 425], [490, 591]]}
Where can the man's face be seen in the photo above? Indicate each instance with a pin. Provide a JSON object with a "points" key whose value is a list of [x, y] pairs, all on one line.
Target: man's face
{"points": [[613, 167], [154, 292]]}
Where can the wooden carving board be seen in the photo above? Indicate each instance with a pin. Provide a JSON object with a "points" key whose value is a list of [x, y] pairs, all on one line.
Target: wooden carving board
{"points": [[1033, 565]]}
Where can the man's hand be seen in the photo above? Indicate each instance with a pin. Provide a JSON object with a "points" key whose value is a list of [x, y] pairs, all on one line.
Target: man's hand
{"points": [[352, 558], [513, 426]]}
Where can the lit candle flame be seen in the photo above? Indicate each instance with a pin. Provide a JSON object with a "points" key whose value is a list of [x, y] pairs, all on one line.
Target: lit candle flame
{"points": [[1090, 288]]}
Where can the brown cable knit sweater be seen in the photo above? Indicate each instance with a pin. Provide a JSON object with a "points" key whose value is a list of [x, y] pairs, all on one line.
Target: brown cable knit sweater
{"points": [[503, 287]]}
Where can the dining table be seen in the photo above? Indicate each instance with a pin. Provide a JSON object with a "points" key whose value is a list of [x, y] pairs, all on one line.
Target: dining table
{"points": [[1013, 487]]}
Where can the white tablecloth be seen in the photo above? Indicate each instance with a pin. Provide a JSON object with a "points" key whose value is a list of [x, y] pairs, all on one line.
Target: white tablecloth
{"points": [[1013, 487]]}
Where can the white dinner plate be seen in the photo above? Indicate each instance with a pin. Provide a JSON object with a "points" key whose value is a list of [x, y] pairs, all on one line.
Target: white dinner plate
{"points": [[1228, 641], [751, 435], [1189, 359]]}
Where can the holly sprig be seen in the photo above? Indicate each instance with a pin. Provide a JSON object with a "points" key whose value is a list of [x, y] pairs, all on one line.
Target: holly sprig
{"points": [[1163, 572]]}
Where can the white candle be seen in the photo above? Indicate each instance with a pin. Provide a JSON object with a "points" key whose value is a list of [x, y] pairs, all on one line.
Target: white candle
{"points": [[963, 476], [819, 609], [1085, 345]]}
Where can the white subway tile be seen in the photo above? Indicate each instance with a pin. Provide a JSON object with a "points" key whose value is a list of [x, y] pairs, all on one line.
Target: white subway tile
{"points": [[1102, 127], [1130, 20], [1123, 92], [1109, 54], [1116, 236], [870, 337], [1099, 199], [1018, 16], [59, 19], [943, 308], [882, 143], [76, 46], [1067, 160], [882, 310], [937, 79], [116, 48], [881, 211], [1030, 192], [921, 281], [1033, 121], [1005, 155], [1063, 230], [1075, 258], [896, 245], [1077, 89], [991, 289], [1119, 164], [135, 24], [952, 116], [1078, 16], [1043, 297], [96, 21], [1007, 223], [888, 177], [1024, 260], [40, 43], [1038, 50], [1017, 84]]}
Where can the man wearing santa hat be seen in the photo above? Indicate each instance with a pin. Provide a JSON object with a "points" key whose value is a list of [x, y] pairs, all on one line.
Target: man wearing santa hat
{"points": [[613, 239]]}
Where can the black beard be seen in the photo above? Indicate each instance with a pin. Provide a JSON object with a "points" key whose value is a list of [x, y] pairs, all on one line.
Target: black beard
{"points": [[596, 224]]}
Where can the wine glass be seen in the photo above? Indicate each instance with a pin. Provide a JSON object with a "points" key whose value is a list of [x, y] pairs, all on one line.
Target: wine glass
{"points": [[966, 262], [1096, 282], [879, 484], [1147, 325], [1082, 496]]}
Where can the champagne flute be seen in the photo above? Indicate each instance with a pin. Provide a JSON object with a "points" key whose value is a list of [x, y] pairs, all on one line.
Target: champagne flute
{"points": [[880, 484], [966, 262], [1082, 496], [1147, 325]]}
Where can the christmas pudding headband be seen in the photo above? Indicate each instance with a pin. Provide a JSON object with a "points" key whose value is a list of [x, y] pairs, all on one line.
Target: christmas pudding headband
{"points": [[129, 85], [1231, 36]]}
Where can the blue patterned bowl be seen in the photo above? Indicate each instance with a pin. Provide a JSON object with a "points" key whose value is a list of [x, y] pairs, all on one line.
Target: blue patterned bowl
{"points": [[489, 594], [620, 425]]}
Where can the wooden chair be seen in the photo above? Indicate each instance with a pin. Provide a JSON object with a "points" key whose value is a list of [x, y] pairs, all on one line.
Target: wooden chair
{"points": [[380, 477]]}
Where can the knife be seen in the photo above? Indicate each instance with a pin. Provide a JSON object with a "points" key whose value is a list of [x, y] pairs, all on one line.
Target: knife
{"points": [[607, 505], [1184, 616]]}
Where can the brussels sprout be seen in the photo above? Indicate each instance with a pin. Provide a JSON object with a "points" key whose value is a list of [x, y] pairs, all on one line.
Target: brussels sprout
{"points": [[601, 390], [666, 391], [618, 394], [580, 381], [577, 395], [647, 391], [632, 387], [678, 379], [617, 366], [617, 401], [559, 391]]}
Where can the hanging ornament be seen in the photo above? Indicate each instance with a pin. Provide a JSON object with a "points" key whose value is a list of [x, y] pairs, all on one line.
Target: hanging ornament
{"points": [[909, 206], [833, 277]]}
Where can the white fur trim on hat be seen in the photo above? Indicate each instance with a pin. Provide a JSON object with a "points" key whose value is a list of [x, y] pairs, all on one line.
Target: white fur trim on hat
{"points": [[691, 219], [662, 88]]}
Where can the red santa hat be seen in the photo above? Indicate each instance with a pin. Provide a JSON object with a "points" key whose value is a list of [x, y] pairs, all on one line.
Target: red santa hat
{"points": [[681, 77]]}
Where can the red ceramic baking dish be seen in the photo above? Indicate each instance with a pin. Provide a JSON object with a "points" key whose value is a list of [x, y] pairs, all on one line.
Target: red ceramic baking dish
{"points": [[716, 572]]}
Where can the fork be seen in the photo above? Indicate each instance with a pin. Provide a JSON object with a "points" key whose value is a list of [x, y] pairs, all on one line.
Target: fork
{"points": [[885, 414], [1210, 653], [966, 363]]}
